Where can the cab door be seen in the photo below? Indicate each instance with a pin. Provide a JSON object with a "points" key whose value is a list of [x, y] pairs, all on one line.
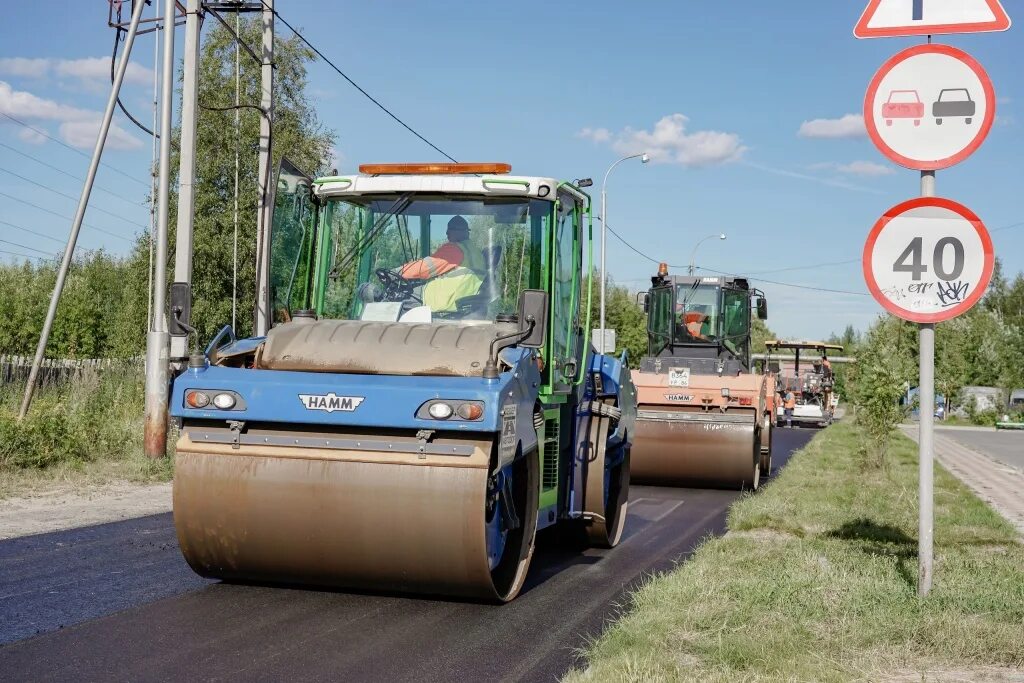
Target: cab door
{"points": [[565, 292], [285, 278]]}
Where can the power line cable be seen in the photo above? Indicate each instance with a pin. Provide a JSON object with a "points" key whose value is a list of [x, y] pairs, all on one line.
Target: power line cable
{"points": [[60, 215], [73, 149], [25, 246], [15, 253], [67, 196], [356, 85], [70, 175], [720, 272], [32, 232]]}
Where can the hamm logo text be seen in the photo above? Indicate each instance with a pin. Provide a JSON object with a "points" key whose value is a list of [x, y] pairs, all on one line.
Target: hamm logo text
{"points": [[330, 402]]}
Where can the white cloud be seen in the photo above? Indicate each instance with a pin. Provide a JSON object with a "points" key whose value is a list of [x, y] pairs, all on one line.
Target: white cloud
{"points": [[595, 134], [83, 134], [30, 136], [831, 182], [92, 73], [98, 69], [24, 67], [867, 169], [848, 126], [78, 126], [670, 143]]}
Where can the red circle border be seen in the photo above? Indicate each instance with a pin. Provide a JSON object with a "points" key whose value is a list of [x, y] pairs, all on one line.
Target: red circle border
{"points": [[900, 57], [949, 313]]}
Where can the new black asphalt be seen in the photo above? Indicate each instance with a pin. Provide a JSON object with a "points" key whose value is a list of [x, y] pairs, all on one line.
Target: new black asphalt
{"points": [[116, 602]]}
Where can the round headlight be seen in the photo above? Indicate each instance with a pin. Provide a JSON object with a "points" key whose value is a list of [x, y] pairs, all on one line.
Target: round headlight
{"points": [[440, 411], [197, 399], [224, 401]]}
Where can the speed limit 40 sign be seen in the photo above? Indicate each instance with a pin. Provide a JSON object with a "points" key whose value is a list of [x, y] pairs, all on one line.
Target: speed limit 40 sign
{"points": [[928, 260]]}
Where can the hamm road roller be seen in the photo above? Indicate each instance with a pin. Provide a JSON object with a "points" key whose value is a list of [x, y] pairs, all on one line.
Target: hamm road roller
{"points": [[426, 400], [703, 417]]}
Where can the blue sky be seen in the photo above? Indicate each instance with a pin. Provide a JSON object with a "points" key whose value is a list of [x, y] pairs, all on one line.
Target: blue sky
{"points": [[742, 105]]}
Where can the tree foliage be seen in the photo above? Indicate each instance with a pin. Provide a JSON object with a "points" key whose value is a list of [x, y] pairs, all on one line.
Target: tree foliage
{"points": [[104, 306]]}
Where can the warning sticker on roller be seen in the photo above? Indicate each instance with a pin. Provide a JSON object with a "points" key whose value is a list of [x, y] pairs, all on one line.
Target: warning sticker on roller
{"points": [[507, 445]]}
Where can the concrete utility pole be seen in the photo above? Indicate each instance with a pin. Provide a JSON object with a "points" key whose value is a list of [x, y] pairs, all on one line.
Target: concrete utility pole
{"points": [[926, 477], [264, 180], [83, 203], [187, 167], [158, 339]]}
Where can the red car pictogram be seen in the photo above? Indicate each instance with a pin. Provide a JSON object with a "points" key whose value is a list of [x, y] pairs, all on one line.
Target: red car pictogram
{"points": [[903, 104]]}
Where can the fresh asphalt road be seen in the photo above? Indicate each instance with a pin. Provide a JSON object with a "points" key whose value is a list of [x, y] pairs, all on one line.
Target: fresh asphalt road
{"points": [[1006, 447], [116, 602]]}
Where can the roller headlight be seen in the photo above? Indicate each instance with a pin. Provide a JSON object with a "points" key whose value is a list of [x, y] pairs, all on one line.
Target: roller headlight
{"points": [[451, 409], [440, 410], [197, 399], [224, 401]]}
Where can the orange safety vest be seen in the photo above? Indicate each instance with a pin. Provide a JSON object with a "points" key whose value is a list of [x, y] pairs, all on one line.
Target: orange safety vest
{"points": [[790, 400]]}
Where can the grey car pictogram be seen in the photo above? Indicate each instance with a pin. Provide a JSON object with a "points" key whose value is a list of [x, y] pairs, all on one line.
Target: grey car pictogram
{"points": [[954, 103]]}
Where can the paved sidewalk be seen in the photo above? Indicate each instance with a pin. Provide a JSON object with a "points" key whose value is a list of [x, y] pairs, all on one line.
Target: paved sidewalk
{"points": [[998, 484]]}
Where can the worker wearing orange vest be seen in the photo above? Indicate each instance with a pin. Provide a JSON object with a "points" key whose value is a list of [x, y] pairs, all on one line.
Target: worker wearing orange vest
{"points": [[789, 406], [454, 271]]}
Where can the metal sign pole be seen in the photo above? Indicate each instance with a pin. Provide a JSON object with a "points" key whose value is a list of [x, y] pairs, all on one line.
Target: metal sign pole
{"points": [[264, 176], [926, 394], [83, 203]]}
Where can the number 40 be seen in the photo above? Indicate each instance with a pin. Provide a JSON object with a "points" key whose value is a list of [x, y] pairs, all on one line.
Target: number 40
{"points": [[916, 266]]}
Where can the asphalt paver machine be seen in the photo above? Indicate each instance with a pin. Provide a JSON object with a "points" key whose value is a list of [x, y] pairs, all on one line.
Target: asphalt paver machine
{"points": [[703, 416], [401, 434], [811, 382]]}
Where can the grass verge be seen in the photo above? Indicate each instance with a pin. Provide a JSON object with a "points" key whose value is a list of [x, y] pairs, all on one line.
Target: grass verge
{"points": [[816, 581], [81, 432]]}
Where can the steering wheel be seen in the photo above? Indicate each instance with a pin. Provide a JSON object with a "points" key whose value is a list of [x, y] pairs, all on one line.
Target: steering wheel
{"points": [[396, 287]]}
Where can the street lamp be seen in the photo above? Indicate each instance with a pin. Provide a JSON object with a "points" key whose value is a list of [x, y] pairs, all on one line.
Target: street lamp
{"points": [[604, 237], [720, 236]]}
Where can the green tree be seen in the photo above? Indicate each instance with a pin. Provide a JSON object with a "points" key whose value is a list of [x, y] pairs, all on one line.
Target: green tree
{"points": [[885, 368]]}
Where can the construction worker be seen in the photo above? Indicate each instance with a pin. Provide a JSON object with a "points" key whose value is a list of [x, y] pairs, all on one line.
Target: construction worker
{"points": [[695, 321], [826, 366], [454, 271], [788, 406]]}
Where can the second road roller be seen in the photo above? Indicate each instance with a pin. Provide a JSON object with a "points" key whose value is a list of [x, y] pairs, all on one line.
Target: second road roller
{"points": [[426, 400], [703, 419]]}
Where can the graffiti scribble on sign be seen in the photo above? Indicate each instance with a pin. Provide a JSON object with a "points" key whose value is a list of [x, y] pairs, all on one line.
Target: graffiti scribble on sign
{"points": [[952, 293]]}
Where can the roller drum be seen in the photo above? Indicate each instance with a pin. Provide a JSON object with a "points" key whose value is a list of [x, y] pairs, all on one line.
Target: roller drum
{"points": [[691, 448], [352, 518]]}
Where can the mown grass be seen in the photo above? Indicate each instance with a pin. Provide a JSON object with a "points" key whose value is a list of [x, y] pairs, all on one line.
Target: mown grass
{"points": [[816, 581], [86, 430]]}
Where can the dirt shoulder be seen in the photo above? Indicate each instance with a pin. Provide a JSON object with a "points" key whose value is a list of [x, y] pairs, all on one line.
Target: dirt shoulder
{"points": [[73, 506]]}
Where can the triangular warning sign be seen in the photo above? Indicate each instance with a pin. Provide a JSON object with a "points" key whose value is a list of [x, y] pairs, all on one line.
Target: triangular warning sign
{"points": [[891, 18]]}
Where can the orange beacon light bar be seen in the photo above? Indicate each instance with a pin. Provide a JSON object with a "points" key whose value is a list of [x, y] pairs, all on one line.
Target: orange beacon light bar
{"points": [[433, 169]]}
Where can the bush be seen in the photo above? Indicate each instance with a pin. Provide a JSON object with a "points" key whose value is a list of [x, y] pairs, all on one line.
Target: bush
{"points": [[95, 416]]}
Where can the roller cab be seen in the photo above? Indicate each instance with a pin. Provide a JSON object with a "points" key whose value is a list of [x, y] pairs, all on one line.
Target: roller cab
{"points": [[703, 418], [419, 406]]}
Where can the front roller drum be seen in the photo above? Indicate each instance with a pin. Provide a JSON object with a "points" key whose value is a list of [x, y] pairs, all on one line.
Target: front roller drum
{"points": [[679, 449], [607, 489], [438, 524]]}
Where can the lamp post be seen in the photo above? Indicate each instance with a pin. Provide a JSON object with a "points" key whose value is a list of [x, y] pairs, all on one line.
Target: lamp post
{"points": [[720, 236], [604, 237]]}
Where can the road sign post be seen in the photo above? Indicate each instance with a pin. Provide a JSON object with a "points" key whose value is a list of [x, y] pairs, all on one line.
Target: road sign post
{"points": [[926, 429], [929, 259]]}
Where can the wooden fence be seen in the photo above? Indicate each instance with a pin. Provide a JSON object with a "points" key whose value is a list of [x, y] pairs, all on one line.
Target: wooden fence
{"points": [[15, 369]]}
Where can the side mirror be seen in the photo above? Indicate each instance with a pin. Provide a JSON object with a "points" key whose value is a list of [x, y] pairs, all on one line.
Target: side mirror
{"points": [[533, 307], [180, 310], [643, 299], [762, 308]]}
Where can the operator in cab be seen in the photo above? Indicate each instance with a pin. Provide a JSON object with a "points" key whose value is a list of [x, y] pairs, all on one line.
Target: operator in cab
{"points": [[455, 271], [695, 322]]}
